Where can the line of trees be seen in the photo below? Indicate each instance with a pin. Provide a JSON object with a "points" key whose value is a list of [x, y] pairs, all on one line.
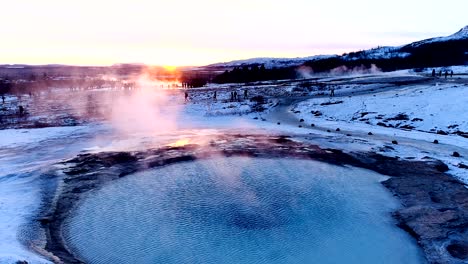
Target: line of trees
{"points": [[5, 87], [255, 73]]}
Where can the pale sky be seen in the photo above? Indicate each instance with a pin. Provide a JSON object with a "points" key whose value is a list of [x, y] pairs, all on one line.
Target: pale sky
{"points": [[177, 32]]}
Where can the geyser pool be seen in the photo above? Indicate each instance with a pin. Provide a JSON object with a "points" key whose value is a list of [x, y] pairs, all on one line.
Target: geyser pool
{"points": [[241, 210]]}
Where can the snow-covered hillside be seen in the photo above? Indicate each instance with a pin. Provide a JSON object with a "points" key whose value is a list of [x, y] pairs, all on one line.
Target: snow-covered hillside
{"points": [[377, 53], [460, 35], [385, 52], [270, 62]]}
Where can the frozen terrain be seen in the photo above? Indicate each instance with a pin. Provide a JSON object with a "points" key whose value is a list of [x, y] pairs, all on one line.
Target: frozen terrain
{"points": [[412, 114], [411, 107], [24, 154], [414, 107]]}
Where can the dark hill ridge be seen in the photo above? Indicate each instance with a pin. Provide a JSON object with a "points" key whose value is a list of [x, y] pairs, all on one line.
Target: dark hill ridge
{"points": [[460, 35], [375, 53], [434, 52]]}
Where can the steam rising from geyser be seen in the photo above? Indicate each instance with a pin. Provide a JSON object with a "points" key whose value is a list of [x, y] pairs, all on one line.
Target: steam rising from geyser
{"points": [[145, 109], [307, 72], [355, 70]]}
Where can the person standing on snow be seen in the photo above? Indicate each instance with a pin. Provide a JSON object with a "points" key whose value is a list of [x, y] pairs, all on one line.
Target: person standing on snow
{"points": [[21, 110]]}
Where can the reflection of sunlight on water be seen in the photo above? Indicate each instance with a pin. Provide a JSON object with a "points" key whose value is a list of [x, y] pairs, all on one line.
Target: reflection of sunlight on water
{"points": [[144, 140]]}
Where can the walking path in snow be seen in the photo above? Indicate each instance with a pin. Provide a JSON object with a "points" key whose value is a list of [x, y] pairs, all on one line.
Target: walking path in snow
{"points": [[354, 135]]}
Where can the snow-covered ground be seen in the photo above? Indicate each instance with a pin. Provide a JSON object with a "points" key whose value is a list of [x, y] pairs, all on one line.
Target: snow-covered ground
{"points": [[414, 115], [439, 107], [24, 155], [366, 101], [459, 71]]}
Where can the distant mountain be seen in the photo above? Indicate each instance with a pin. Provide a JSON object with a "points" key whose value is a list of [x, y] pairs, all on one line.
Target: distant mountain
{"points": [[269, 62], [462, 34], [429, 53], [433, 52]]}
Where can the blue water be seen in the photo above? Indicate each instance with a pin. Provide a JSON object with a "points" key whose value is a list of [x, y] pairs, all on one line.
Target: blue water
{"points": [[241, 210]]}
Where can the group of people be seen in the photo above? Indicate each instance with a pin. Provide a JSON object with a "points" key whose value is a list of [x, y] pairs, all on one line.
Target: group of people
{"points": [[234, 95], [440, 73]]}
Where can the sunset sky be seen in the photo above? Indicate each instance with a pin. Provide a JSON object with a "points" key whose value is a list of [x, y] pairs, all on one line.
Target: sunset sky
{"points": [[104, 32]]}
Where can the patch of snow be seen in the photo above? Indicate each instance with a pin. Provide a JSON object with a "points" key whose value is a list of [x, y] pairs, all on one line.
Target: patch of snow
{"points": [[23, 154], [18, 202], [16, 137]]}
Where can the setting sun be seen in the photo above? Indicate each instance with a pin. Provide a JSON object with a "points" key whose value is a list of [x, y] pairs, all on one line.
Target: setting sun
{"points": [[170, 68]]}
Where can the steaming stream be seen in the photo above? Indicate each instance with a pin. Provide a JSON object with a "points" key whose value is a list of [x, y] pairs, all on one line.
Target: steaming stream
{"points": [[241, 210]]}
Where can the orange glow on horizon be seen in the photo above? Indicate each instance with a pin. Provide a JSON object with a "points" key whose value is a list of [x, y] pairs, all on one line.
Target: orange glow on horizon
{"points": [[170, 68], [168, 58], [197, 33]]}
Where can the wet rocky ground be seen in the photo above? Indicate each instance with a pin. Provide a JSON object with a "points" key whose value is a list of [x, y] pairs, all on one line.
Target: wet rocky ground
{"points": [[65, 107], [434, 205]]}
